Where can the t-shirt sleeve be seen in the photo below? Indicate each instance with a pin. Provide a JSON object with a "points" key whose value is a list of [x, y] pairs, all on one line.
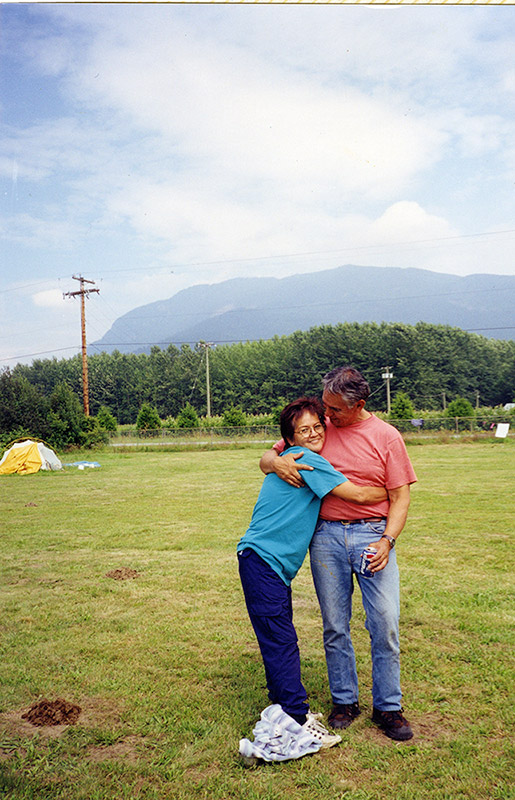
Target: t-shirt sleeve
{"points": [[323, 478], [399, 470]]}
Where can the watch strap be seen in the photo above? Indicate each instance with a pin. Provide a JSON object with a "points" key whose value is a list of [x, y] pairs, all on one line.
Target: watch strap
{"points": [[390, 539]]}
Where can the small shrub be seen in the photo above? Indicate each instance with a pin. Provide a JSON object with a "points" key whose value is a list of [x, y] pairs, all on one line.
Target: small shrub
{"points": [[188, 417], [211, 422], [260, 419], [460, 407], [276, 412], [106, 420], [234, 417], [93, 434], [148, 418], [402, 407]]}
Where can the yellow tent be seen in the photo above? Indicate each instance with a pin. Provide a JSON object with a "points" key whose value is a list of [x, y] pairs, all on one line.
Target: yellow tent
{"points": [[27, 457]]}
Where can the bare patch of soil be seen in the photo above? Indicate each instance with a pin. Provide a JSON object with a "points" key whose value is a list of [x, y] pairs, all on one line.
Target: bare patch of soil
{"points": [[52, 712], [425, 730], [432, 726], [101, 712], [125, 750], [95, 712], [12, 724], [122, 574]]}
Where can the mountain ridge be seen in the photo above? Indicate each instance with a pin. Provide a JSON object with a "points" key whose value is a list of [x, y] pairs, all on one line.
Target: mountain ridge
{"points": [[246, 309]]}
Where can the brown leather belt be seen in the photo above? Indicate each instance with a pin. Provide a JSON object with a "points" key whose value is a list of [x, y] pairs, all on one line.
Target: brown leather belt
{"points": [[360, 521]]}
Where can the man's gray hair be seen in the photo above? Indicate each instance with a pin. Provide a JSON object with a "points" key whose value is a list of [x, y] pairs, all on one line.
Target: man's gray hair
{"points": [[347, 382]]}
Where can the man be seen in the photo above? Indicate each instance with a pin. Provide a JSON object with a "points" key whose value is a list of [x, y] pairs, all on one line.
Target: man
{"points": [[369, 451]]}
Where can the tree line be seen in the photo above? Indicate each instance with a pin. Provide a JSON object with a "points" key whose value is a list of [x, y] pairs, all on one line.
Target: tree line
{"points": [[432, 364]]}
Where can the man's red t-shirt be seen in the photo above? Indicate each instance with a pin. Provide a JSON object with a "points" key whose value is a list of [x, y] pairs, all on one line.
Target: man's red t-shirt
{"points": [[368, 452]]}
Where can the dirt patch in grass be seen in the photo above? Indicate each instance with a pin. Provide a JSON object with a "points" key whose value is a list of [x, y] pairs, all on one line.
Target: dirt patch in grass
{"points": [[12, 724], [101, 715], [125, 750], [426, 728], [123, 574], [100, 712], [432, 726], [94, 713], [52, 712]]}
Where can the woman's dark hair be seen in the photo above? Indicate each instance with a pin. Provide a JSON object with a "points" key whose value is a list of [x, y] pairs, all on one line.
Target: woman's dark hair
{"points": [[291, 413]]}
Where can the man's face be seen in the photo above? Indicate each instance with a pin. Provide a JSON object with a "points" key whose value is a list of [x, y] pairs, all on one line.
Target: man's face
{"points": [[339, 412], [309, 432]]}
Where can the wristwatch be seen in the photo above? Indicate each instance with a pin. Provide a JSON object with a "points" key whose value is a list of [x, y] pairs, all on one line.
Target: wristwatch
{"points": [[391, 540]]}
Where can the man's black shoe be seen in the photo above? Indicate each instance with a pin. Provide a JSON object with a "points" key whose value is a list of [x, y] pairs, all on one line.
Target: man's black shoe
{"points": [[393, 724], [342, 715]]}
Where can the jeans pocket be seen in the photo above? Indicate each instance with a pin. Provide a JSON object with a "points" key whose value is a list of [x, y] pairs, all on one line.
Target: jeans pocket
{"points": [[377, 527], [323, 527]]}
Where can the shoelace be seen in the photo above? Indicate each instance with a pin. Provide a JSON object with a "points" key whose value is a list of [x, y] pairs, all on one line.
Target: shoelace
{"points": [[315, 728], [394, 717]]}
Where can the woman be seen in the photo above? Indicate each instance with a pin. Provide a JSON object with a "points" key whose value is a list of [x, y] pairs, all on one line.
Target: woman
{"points": [[272, 550]]}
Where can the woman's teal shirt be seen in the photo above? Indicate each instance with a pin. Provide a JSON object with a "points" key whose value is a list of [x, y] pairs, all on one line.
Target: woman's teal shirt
{"points": [[284, 518]]}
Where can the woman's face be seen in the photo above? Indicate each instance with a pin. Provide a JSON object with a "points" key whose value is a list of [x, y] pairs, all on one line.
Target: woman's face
{"points": [[309, 432]]}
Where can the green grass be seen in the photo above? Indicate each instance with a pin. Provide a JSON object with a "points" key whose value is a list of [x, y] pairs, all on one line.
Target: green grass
{"points": [[166, 668]]}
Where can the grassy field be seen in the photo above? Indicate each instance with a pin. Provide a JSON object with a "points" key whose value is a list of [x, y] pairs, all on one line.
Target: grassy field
{"points": [[165, 667]]}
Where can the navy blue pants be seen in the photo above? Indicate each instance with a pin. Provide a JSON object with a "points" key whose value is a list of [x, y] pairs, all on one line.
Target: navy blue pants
{"points": [[270, 610]]}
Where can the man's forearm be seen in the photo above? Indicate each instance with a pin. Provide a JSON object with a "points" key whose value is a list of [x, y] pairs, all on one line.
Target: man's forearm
{"points": [[266, 463], [285, 467], [397, 514], [398, 511]]}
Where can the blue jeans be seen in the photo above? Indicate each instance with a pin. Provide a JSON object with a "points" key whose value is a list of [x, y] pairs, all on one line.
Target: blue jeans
{"points": [[335, 554]]}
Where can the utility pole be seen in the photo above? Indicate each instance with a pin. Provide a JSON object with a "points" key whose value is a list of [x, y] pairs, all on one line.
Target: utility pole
{"points": [[386, 376], [82, 293], [206, 346]]}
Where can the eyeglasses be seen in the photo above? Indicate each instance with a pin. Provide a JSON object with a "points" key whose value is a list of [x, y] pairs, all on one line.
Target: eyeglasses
{"points": [[318, 428]]}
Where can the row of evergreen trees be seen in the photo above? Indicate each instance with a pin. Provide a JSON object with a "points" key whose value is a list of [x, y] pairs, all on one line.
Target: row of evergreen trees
{"points": [[432, 364]]}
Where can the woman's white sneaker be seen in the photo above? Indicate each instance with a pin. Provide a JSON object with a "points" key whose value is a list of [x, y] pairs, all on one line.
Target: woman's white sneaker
{"points": [[319, 732]]}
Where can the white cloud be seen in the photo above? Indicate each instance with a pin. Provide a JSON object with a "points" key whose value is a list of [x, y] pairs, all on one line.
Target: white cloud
{"points": [[200, 143], [51, 298], [39, 232], [231, 113], [407, 221]]}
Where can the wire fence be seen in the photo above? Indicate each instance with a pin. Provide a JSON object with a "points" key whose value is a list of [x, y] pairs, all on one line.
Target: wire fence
{"points": [[271, 433]]}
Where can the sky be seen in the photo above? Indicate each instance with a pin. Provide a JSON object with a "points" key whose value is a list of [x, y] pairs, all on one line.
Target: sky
{"points": [[151, 147]]}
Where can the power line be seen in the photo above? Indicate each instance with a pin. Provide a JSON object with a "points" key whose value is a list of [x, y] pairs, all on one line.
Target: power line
{"points": [[217, 341], [280, 255], [323, 252], [506, 328], [351, 301], [41, 353]]}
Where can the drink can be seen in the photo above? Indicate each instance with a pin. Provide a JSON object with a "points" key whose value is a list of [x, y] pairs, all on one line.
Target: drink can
{"points": [[366, 555]]}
